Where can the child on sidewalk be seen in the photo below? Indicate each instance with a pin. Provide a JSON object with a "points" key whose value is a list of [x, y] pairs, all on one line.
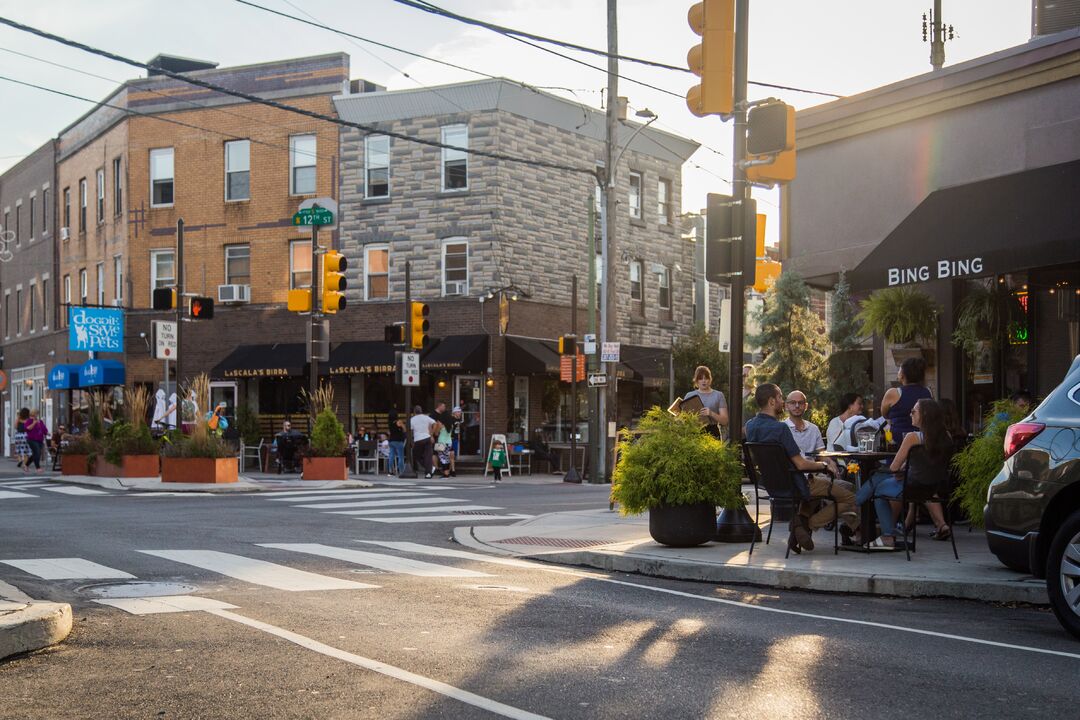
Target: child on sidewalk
{"points": [[497, 460]]}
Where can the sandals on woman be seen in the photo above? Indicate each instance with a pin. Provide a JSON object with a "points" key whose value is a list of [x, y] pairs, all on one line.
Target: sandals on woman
{"points": [[942, 533], [879, 544]]}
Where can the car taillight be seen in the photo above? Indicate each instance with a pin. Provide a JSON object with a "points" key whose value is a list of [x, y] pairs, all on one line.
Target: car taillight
{"points": [[1019, 435]]}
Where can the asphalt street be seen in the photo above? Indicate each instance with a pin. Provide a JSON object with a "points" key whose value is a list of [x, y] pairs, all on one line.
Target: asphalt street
{"points": [[281, 606]]}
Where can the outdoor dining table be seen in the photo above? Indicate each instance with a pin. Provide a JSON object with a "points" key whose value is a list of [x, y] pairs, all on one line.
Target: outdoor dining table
{"points": [[868, 462]]}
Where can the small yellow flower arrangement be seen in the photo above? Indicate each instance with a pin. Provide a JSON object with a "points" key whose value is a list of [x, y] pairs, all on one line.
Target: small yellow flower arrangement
{"points": [[853, 468]]}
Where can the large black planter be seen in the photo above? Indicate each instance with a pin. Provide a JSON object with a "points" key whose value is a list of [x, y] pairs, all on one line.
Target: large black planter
{"points": [[734, 525], [683, 525]]}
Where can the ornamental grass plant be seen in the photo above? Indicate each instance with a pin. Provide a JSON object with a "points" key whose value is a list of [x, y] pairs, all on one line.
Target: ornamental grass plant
{"points": [[671, 460]]}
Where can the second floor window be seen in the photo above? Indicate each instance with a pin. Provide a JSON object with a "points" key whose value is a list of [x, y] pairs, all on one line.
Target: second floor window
{"points": [[18, 311], [31, 228], [118, 279], [455, 163], [456, 267], [162, 269], [67, 300], [376, 272], [33, 307], [118, 187], [637, 294], [84, 293], [663, 298], [67, 208], [377, 166], [82, 205], [238, 170], [100, 196], [237, 264], [302, 165], [101, 283], [635, 195], [45, 211], [299, 264], [161, 177], [44, 303], [663, 202]]}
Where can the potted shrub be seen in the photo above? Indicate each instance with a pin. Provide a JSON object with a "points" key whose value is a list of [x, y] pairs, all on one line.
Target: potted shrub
{"points": [[80, 455], [324, 458], [679, 474], [201, 457], [129, 449]]}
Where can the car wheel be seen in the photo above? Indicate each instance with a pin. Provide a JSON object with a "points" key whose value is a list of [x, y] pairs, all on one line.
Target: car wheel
{"points": [[1063, 574]]}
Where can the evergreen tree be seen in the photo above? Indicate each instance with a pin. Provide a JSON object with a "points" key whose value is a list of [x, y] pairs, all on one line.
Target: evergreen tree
{"points": [[700, 347], [792, 338], [847, 366]]}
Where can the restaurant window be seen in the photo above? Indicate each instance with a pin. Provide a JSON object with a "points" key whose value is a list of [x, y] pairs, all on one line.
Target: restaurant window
{"points": [[557, 412], [238, 170], [455, 163], [18, 311], [101, 283], [302, 165], [519, 411], [299, 264], [67, 209], [100, 195], [161, 177], [637, 294], [118, 280], [118, 187], [162, 269], [237, 264], [663, 202], [376, 272], [83, 288], [455, 267], [377, 166], [663, 288], [635, 195], [31, 218]]}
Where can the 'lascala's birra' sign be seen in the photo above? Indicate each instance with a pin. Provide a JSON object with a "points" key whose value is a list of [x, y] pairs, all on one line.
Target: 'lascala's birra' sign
{"points": [[96, 329]]}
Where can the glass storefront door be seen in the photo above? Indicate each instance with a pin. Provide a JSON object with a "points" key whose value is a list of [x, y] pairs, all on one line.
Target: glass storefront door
{"points": [[469, 396]]}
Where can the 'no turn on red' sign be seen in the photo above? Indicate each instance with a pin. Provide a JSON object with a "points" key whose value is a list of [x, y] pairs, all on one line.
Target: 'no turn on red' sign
{"points": [[409, 369], [164, 340]]}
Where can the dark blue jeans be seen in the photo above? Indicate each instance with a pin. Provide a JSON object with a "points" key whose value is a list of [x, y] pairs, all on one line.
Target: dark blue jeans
{"points": [[884, 485]]}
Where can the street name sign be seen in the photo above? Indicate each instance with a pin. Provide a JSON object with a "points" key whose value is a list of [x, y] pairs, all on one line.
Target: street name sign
{"points": [[164, 340], [316, 209], [313, 216]]}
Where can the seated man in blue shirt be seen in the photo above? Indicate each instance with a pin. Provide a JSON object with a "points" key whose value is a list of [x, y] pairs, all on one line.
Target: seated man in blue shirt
{"points": [[765, 427]]}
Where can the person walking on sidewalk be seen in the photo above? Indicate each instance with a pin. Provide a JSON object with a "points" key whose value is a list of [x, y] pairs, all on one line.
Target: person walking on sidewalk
{"points": [[497, 460], [396, 464], [36, 432], [421, 426], [22, 449]]}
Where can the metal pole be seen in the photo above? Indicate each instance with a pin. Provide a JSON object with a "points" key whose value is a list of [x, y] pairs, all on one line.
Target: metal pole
{"points": [[608, 311], [572, 474], [316, 317], [741, 193], [408, 471], [595, 394], [937, 40], [179, 313]]}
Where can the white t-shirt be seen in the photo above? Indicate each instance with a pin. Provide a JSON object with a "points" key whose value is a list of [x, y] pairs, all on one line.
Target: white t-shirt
{"points": [[421, 427], [808, 439], [833, 433]]}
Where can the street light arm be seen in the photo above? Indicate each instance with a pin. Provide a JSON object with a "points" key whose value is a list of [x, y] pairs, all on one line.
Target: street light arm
{"points": [[625, 147]]}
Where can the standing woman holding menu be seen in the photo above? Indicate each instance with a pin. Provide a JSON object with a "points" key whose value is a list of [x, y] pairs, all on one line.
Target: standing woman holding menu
{"points": [[714, 407]]}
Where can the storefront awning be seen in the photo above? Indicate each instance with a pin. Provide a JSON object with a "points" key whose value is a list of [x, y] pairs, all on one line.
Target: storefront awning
{"points": [[465, 353], [64, 377], [362, 358], [274, 360], [100, 372], [1005, 224], [531, 356]]}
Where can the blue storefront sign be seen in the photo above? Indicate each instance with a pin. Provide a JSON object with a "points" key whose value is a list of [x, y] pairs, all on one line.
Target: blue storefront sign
{"points": [[96, 329], [64, 377], [101, 372]]}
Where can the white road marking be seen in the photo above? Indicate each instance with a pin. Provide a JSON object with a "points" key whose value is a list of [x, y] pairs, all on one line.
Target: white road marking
{"points": [[449, 552], [440, 508], [75, 490], [446, 518], [166, 604], [14, 594], [389, 563], [257, 572], [382, 503], [66, 569], [12, 495], [373, 494], [397, 673], [195, 493], [24, 485]]}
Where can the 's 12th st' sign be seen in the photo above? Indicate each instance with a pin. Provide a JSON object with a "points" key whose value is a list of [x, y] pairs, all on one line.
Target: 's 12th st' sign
{"points": [[96, 329]]}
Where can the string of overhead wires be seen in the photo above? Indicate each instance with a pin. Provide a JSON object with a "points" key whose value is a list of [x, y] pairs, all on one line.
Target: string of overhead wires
{"points": [[197, 82]]}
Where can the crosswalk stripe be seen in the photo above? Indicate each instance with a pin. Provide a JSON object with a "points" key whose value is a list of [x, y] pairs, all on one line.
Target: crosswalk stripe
{"points": [[66, 569], [166, 604], [381, 503], [447, 552], [352, 496], [11, 495], [256, 572], [74, 490], [405, 566], [25, 485], [272, 494], [445, 518], [398, 511]]}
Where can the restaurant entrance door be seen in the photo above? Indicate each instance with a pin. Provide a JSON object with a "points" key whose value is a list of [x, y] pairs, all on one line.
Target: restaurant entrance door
{"points": [[469, 396]]}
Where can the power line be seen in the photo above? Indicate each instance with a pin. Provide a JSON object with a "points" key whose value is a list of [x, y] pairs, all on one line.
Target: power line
{"points": [[290, 108]]}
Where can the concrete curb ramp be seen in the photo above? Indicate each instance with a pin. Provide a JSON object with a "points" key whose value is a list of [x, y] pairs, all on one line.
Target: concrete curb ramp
{"points": [[34, 626]]}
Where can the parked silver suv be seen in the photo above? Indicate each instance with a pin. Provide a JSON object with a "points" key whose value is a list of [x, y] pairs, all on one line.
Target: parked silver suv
{"points": [[1033, 507]]}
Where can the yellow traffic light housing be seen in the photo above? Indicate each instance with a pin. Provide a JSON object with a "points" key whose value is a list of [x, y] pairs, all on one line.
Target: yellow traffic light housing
{"points": [[300, 300], [419, 326], [714, 59], [780, 170], [770, 128], [164, 299], [765, 274], [568, 344], [333, 281]]}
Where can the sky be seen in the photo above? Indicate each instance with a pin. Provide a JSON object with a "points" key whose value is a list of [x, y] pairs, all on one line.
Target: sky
{"points": [[823, 45]]}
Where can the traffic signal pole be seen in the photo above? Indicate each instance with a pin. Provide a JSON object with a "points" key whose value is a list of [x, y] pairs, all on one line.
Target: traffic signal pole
{"points": [[407, 471], [746, 232], [316, 317], [179, 315]]}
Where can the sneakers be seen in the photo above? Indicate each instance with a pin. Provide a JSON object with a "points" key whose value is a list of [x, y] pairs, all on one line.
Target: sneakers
{"points": [[427, 476]]}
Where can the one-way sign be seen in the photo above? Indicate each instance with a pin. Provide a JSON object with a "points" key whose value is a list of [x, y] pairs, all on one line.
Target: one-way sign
{"points": [[598, 380]]}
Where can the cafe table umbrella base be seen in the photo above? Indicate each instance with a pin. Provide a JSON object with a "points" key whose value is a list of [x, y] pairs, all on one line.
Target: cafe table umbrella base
{"points": [[734, 525]]}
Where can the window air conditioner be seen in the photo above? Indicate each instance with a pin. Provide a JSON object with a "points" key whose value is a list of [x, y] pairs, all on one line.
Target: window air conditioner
{"points": [[234, 293], [65, 233], [456, 288]]}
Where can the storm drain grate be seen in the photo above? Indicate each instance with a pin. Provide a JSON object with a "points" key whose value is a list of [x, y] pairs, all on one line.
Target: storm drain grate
{"points": [[552, 542], [473, 512]]}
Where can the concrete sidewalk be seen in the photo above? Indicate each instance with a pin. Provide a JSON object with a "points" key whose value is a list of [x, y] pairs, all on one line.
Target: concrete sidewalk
{"points": [[27, 625], [608, 541]]}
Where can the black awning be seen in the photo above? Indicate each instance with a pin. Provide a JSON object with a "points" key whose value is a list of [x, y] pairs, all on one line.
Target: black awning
{"points": [[273, 360], [531, 356], [1005, 224], [466, 353], [362, 357], [648, 364]]}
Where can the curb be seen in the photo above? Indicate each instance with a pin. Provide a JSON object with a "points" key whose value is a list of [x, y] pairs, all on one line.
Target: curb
{"points": [[37, 625], [242, 486]]}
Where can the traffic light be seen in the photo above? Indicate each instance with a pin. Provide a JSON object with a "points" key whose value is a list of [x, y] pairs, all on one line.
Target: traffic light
{"points": [[714, 59], [394, 334], [300, 300], [201, 308], [780, 170], [420, 325], [333, 281], [770, 140], [724, 252], [568, 344], [164, 299]]}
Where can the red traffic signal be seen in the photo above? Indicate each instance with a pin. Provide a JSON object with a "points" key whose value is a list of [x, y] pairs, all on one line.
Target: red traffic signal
{"points": [[202, 308]]}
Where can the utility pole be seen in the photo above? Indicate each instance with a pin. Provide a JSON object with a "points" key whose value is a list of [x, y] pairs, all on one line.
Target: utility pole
{"points": [[608, 311], [937, 35], [179, 315], [316, 316], [407, 471], [740, 190], [595, 394]]}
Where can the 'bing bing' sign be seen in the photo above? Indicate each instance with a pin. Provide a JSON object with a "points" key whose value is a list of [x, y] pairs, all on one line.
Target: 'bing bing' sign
{"points": [[942, 270]]}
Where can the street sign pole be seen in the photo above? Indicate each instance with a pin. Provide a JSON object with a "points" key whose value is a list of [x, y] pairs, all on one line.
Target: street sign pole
{"points": [[179, 310], [316, 317], [740, 189], [407, 472]]}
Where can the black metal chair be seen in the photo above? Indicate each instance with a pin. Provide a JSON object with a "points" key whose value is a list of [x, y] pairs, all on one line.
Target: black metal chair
{"points": [[768, 466], [926, 481]]}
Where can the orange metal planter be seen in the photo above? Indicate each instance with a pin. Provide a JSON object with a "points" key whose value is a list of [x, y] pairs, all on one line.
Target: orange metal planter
{"points": [[199, 470], [325, 468], [74, 464]]}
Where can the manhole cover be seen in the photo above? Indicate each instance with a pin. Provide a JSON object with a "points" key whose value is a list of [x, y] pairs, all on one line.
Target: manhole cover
{"points": [[138, 589]]}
